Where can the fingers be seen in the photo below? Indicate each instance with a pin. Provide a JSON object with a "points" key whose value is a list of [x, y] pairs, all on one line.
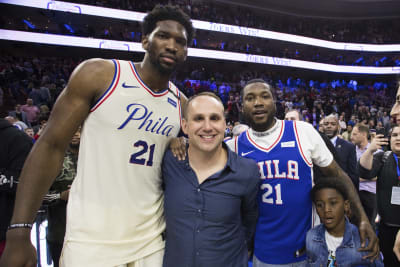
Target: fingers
{"points": [[367, 233], [396, 248]]}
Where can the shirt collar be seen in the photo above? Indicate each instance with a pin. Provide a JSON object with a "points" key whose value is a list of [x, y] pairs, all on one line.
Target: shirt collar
{"points": [[230, 163], [333, 140], [232, 158], [267, 132]]}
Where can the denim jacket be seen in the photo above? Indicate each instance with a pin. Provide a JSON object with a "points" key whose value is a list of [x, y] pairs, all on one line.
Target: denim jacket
{"points": [[346, 253]]}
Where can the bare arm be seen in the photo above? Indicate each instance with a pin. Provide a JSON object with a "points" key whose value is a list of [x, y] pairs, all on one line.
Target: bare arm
{"points": [[178, 145], [365, 228], [88, 81], [396, 247], [366, 159]]}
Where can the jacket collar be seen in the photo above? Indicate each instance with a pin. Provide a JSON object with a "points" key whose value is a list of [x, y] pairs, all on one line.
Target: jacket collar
{"points": [[348, 240]]}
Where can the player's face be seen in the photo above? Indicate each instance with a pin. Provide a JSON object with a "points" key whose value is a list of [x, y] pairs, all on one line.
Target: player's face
{"points": [[331, 208], [331, 127], [166, 46], [205, 124], [258, 106], [395, 140], [395, 113]]}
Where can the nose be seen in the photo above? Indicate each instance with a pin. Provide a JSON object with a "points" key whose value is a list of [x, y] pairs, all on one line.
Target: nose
{"points": [[207, 125], [395, 110], [258, 101], [171, 45]]}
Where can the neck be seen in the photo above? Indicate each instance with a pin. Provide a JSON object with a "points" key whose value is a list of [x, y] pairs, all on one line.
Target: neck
{"points": [[151, 76], [338, 231], [363, 144], [201, 159], [268, 125]]}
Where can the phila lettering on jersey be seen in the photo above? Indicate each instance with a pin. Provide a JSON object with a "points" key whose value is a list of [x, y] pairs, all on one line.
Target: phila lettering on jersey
{"points": [[117, 197], [285, 207]]}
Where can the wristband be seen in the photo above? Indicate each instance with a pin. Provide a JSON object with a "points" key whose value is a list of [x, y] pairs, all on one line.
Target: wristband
{"points": [[19, 225]]}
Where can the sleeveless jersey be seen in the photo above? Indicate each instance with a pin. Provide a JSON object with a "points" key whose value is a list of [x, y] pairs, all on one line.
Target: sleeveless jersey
{"points": [[116, 200], [285, 207]]}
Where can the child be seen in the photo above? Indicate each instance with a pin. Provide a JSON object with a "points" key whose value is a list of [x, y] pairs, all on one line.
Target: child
{"points": [[335, 242]]}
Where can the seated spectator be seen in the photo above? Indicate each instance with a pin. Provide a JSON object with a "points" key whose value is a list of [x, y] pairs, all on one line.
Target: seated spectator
{"points": [[32, 111], [17, 123], [18, 113]]}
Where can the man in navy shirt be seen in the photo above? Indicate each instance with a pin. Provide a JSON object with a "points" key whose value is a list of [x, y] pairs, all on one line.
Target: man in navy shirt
{"points": [[210, 197]]}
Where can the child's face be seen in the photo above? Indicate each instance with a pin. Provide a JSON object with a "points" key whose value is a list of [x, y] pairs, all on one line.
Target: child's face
{"points": [[331, 208]]}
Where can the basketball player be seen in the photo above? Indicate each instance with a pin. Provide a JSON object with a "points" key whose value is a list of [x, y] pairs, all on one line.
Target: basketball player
{"points": [[129, 111], [285, 152]]}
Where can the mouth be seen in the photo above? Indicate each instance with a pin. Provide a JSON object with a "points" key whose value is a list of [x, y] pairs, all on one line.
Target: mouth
{"points": [[328, 220], [259, 113], [169, 59]]}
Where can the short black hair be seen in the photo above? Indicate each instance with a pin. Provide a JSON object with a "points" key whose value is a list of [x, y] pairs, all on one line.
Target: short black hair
{"points": [[329, 182], [167, 12], [258, 80]]}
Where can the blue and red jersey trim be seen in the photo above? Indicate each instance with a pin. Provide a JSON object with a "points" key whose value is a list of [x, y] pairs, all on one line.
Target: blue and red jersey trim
{"points": [[155, 94], [111, 88]]}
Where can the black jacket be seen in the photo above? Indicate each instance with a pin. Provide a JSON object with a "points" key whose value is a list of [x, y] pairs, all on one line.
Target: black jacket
{"points": [[14, 146], [385, 168]]}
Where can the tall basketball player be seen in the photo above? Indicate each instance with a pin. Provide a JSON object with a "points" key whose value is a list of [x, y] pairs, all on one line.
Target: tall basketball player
{"points": [[130, 112], [285, 152]]}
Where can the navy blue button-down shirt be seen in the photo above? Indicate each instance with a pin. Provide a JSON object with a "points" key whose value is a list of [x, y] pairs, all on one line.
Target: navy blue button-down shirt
{"points": [[209, 224]]}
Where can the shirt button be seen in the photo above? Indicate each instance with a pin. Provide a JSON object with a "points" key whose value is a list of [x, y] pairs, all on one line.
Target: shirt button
{"points": [[198, 230], [198, 190], [199, 210], [197, 253]]}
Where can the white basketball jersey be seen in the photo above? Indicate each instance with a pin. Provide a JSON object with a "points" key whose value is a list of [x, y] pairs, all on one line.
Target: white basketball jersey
{"points": [[116, 200]]}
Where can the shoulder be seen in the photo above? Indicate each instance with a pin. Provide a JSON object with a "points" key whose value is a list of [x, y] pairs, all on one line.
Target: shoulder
{"points": [[305, 129], [345, 143], [315, 231], [94, 71], [230, 143]]}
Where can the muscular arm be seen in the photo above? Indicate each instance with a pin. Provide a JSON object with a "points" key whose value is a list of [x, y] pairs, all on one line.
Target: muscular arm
{"points": [[88, 81], [366, 231]]}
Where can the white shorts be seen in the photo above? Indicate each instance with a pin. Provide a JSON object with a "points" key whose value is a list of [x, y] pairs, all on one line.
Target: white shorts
{"points": [[92, 256], [152, 260]]}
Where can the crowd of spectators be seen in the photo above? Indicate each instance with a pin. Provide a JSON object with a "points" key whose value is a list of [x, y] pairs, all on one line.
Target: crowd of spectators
{"points": [[358, 31], [121, 30], [33, 81], [97, 27]]}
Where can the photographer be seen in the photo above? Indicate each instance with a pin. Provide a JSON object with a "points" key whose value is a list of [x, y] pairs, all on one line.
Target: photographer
{"points": [[14, 146]]}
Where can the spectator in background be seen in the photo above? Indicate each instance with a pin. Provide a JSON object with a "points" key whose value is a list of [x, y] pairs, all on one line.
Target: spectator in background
{"points": [[14, 146], [238, 129], [367, 188], [346, 151], [18, 113], [32, 111], [346, 135], [293, 115], [384, 166], [29, 131], [57, 199], [17, 123], [342, 124]]}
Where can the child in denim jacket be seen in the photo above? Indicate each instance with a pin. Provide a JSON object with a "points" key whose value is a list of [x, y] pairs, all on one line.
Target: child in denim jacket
{"points": [[336, 241]]}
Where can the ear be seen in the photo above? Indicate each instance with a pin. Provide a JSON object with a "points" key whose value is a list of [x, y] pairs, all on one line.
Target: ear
{"points": [[347, 210], [145, 42], [184, 126]]}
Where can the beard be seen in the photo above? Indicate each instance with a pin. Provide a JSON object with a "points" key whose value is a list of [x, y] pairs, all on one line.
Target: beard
{"points": [[263, 126]]}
